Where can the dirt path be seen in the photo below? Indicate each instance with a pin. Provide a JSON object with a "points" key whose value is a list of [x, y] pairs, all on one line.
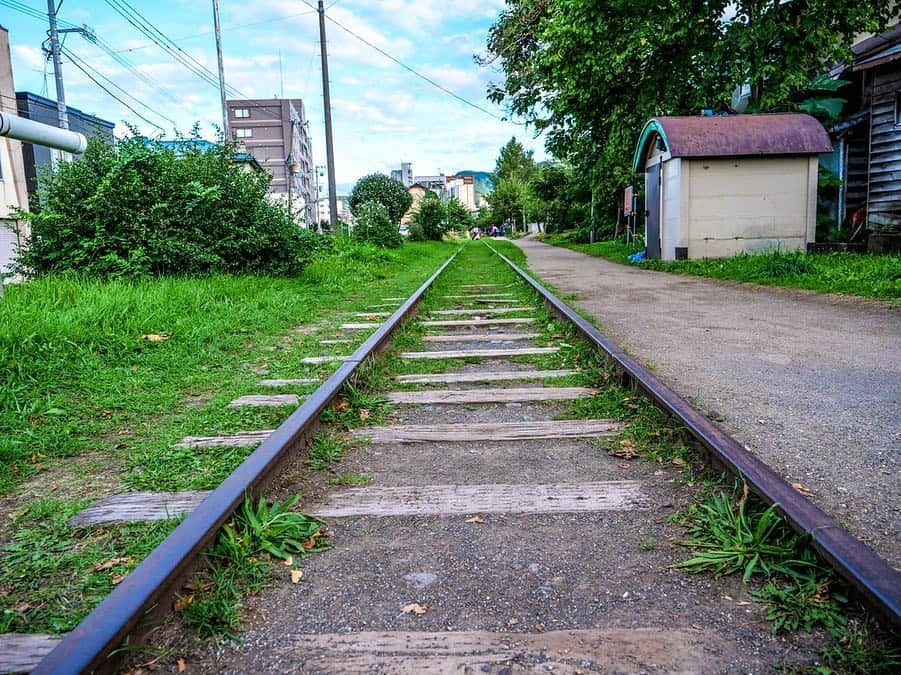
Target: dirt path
{"points": [[809, 382]]}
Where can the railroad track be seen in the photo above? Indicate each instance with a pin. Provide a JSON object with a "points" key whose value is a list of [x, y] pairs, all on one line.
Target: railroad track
{"points": [[493, 531]]}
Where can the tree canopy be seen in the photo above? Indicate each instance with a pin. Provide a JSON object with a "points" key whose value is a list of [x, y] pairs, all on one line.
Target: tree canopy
{"points": [[590, 73], [379, 188]]}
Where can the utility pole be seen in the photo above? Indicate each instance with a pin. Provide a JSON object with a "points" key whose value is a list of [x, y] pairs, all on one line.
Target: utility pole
{"points": [[327, 102], [227, 137], [57, 66]]}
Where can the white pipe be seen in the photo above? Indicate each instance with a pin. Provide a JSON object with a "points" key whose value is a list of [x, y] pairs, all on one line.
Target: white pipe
{"points": [[27, 130]]}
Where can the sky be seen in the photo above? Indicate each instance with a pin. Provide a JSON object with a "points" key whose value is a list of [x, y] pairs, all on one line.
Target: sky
{"points": [[381, 113]]}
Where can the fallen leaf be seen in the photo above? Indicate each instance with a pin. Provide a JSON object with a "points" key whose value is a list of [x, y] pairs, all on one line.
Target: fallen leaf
{"points": [[156, 337], [112, 562], [512, 622], [539, 627], [118, 578], [803, 490], [106, 414], [287, 562], [364, 415], [296, 576], [181, 665], [123, 432], [475, 519], [413, 608], [678, 461], [182, 601], [341, 406]]}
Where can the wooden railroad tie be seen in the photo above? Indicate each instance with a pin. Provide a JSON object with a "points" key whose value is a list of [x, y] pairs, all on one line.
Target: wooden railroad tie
{"points": [[482, 376], [490, 431], [479, 353], [511, 395]]}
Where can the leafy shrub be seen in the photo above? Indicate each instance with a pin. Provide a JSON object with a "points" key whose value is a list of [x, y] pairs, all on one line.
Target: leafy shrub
{"points": [[138, 207], [430, 218], [457, 217], [379, 188], [375, 227]]}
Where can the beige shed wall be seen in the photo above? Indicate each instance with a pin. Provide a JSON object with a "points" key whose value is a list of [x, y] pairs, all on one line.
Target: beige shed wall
{"points": [[747, 204], [671, 207]]}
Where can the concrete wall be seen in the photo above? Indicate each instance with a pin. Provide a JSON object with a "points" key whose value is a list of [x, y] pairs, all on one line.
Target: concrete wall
{"points": [[13, 192], [671, 206], [747, 204]]}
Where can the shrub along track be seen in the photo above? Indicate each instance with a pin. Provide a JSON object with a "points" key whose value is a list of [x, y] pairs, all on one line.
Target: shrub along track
{"points": [[492, 531]]}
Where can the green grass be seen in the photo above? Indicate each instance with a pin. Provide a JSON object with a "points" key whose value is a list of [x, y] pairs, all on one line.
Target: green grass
{"points": [[86, 402], [351, 480], [843, 273]]}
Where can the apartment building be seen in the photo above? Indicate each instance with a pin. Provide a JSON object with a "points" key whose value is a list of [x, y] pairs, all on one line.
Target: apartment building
{"points": [[275, 132]]}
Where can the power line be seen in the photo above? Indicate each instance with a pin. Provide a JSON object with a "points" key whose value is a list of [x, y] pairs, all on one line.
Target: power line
{"points": [[111, 94], [147, 28], [22, 8], [415, 72], [77, 59]]}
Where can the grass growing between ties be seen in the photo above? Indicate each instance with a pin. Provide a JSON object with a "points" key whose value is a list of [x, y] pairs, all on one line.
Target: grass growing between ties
{"points": [[259, 539], [844, 273], [100, 379]]}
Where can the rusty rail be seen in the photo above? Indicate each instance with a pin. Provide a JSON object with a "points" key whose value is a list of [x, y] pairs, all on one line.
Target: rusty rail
{"points": [[878, 583], [90, 645]]}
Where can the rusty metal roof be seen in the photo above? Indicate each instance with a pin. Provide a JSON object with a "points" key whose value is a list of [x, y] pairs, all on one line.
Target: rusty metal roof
{"points": [[734, 136]]}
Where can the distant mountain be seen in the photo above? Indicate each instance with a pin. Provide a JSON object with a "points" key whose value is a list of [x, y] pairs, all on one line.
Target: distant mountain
{"points": [[482, 181]]}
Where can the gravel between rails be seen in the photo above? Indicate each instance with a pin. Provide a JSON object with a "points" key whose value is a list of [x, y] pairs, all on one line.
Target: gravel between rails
{"points": [[810, 382]]}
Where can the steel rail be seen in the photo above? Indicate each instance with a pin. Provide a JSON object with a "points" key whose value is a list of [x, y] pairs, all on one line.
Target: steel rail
{"points": [[90, 645], [878, 583]]}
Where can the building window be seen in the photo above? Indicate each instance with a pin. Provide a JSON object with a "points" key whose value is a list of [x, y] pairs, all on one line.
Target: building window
{"points": [[242, 112], [243, 133]]}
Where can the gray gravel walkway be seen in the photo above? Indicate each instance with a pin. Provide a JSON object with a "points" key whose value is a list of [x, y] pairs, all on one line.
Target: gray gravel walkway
{"points": [[811, 383]]}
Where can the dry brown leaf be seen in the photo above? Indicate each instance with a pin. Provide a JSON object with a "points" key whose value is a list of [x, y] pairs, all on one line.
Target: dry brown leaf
{"points": [[364, 415], [413, 608], [106, 414], [182, 666], [475, 519], [512, 622], [112, 562], [118, 578], [678, 461], [287, 562], [296, 576], [342, 405], [156, 337], [803, 490], [539, 627], [182, 601]]}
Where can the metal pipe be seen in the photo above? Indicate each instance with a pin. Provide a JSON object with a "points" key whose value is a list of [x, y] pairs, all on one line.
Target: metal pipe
{"points": [[27, 130]]}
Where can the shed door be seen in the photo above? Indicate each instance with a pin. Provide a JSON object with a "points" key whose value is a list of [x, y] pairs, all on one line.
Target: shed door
{"points": [[652, 211]]}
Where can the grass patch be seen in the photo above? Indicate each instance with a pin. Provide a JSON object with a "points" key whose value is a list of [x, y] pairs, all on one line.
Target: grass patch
{"points": [[242, 560], [100, 379], [325, 450], [840, 272], [351, 480]]}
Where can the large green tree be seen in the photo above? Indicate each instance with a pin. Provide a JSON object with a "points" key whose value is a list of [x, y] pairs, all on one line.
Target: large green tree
{"points": [[379, 188], [589, 73]]}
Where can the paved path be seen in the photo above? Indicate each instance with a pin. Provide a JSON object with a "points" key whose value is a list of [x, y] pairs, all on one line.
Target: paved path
{"points": [[811, 383]]}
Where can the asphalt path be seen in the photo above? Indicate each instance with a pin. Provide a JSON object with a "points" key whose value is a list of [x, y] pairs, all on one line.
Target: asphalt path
{"points": [[809, 382]]}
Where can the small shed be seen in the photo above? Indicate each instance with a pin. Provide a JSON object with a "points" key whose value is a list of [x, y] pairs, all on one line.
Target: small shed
{"points": [[720, 185]]}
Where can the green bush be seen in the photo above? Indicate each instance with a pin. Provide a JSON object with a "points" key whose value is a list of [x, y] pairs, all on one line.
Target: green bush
{"points": [[430, 218], [379, 188], [458, 217], [139, 208], [375, 227]]}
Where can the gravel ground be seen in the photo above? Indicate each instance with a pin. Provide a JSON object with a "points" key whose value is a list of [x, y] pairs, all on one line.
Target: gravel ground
{"points": [[511, 575], [811, 383]]}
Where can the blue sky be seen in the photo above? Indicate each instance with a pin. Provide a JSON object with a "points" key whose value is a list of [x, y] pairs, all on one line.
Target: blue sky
{"points": [[382, 114]]}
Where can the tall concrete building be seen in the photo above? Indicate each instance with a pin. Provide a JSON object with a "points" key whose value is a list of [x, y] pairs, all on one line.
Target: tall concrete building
{"points": [[404, 174], [276, 133]]}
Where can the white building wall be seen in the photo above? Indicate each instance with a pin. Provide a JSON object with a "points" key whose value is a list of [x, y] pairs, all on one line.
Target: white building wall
{"points": [[670, 215], [749, 204]]}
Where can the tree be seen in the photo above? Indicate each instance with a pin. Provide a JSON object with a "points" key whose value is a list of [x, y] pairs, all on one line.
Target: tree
{"points": [[457, 216], [590, 73], [374, 226], [513, 162], [429, 221], [378, 187]]}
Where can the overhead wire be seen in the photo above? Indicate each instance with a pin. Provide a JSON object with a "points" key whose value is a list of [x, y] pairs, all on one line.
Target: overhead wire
{"points": [[87, 74], [412, 70], [77, 59]]}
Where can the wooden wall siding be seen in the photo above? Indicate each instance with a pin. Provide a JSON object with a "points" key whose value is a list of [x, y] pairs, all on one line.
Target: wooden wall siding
{"points": [[885, 150]]}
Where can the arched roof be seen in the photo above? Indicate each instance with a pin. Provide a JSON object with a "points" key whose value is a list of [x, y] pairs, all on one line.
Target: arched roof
{"points": [[733, 136]]}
